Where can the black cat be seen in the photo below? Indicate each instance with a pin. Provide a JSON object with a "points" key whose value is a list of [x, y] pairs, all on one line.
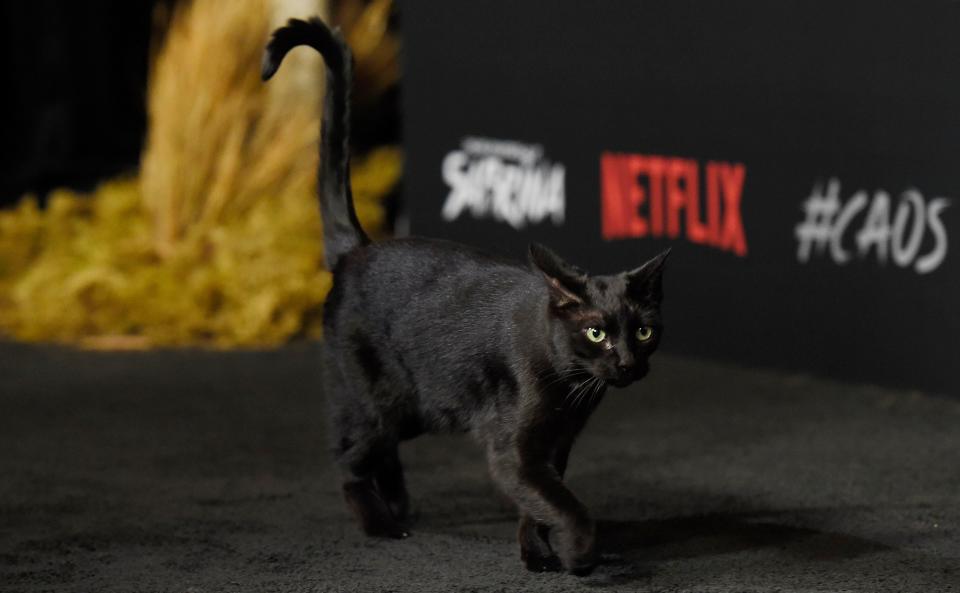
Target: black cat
{"points": [[431, 336]]}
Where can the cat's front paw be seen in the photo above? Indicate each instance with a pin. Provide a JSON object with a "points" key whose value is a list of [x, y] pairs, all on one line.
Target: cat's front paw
{"points": [[575, 545], [535, 549]]}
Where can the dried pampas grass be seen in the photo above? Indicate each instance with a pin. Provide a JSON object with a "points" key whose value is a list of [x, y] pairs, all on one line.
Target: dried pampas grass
{"points": [[218, 139], [218, 241]]}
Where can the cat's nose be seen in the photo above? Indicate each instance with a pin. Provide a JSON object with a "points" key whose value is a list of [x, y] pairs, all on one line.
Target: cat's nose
{"points": [[624, 363], [625, 366]]}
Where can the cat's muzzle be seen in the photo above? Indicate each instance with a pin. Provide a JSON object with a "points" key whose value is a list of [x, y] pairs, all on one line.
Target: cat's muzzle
{"points": [[623, 376]]}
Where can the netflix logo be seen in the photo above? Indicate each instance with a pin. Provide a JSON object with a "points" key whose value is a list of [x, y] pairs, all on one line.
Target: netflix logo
{"points": [[659, 196]]}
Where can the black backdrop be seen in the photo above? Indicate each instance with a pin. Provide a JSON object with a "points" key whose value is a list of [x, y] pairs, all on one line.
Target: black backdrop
{"points": [[73, 92], [807, 98]]}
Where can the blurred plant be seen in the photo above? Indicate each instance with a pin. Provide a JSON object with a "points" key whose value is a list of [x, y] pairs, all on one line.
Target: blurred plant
{"points": [[218, 241], [375, 46]]}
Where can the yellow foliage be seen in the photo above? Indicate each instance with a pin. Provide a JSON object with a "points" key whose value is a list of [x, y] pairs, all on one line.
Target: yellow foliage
{"points": [[218, 241], [218, 138], [86, 271]]}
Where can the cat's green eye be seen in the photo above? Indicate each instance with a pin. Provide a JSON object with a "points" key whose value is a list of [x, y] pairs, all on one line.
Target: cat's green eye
{"points": [[595, 335], [644, 333]]}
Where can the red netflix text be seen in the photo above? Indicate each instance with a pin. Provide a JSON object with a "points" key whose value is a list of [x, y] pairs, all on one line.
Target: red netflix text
{"points": [[649, 196]]}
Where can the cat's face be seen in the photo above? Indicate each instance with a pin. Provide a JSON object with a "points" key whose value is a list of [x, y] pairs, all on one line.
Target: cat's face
{"points": [[607, 326]]}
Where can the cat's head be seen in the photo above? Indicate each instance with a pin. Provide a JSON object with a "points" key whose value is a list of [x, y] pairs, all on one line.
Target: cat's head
{"points": [[609, 325]]}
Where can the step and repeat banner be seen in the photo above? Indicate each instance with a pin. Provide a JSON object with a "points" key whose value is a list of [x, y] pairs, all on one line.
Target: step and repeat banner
{"points": [[801, 159]]}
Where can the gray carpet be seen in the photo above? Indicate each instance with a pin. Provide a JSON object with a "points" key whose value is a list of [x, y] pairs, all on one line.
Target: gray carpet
{"points": [[194, 471]]}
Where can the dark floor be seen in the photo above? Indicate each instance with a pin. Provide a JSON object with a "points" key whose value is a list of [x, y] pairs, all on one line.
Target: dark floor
{"points": [[200, 472]]}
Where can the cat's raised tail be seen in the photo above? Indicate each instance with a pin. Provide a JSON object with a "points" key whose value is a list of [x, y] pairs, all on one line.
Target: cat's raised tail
{"points": [[341, 230]]}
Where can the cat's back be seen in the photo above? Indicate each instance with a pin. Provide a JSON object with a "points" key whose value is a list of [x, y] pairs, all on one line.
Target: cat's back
{"points": [[426, 280]]}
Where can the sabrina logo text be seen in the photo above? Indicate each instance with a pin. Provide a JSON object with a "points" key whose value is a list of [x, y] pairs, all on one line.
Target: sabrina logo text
{"points": [[503, 180]]}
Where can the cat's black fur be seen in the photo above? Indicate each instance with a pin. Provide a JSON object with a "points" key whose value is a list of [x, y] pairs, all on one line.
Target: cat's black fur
{"points": [[431, 336]]}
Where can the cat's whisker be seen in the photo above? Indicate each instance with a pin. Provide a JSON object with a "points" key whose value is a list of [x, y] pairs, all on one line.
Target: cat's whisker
{"points": [[588, 386], [575, 393], [563, 376], [594, 390], [558, 380], [566, 374], [555, 381], [576, 397], [567, 397], [598, 390], [570, 369]]}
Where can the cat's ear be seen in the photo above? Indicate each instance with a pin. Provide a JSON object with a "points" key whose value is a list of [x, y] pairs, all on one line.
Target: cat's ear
{"points": [[645, 284], [565, 281]]}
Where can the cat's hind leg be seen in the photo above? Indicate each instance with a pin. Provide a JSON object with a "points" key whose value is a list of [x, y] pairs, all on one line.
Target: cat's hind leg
{"points": [[367, 466], [391, 485], [366, 454]]}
